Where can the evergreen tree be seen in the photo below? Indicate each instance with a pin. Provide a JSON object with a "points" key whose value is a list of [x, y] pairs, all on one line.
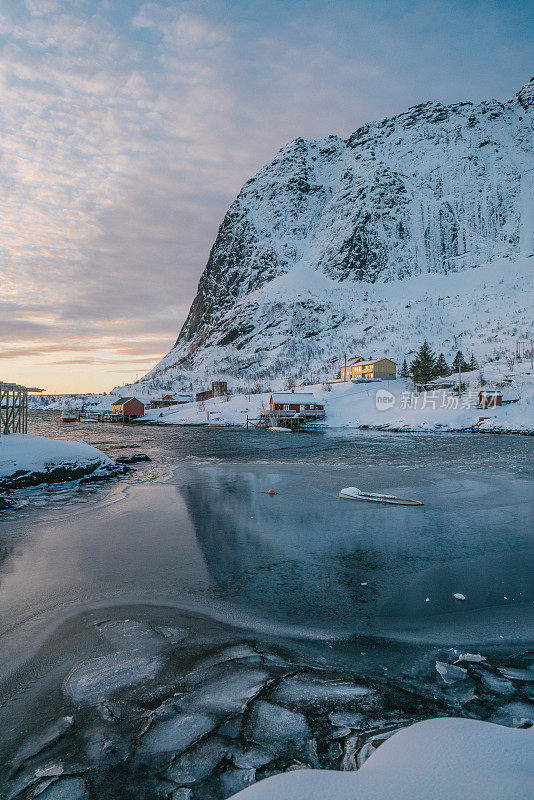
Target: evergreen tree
{"points": [[473, 364], [404, 370], [459, 361], [442, 368], [423, 367]]}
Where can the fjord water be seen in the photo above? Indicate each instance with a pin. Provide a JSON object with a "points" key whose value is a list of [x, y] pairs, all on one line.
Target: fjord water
{"points": [[194, 532]]}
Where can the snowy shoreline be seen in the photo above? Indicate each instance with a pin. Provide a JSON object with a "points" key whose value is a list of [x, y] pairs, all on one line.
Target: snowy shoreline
{"points": [[27, 460]]}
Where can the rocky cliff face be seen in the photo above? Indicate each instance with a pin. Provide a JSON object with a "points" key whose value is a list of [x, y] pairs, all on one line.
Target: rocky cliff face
{"points": [[361, 244]]}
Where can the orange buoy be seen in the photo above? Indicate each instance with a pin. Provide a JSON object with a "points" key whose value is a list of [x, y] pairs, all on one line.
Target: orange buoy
{"points": [[271, 491]]}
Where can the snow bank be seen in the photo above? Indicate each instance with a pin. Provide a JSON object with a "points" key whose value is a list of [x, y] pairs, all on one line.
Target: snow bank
{"points": [[29, 460], [437, 758], [389, 405]]}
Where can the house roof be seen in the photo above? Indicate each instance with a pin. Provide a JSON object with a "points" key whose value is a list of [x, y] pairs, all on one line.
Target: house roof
{"points": [[293, 397], [490, 391], [368, 362], [122, 400]]}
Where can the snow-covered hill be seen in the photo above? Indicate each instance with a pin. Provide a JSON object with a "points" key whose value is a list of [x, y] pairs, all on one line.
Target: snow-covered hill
{"points": [[418, 225]]}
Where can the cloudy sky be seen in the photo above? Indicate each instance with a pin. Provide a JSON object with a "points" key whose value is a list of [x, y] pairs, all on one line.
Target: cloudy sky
{"points": [[127, 128]]}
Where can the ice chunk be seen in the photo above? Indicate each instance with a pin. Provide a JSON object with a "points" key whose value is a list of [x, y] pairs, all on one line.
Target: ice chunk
{"points": [[251, 757], [39, 741], [233, 780], [171, 633], [180, 794], [458, 596], [198, 762], [94, 680], [349, 719], [229, 690], [517, 674], [31, 777], [176, 734], [66, 789], [474, 658], [270, 723], [495, 684], [303, 692], [514, 715], [450, 673], [339, 733], [350, 749], [234, 652]]}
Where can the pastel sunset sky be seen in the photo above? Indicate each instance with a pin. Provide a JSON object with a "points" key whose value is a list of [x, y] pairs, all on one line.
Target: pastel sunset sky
{"points": [[128, 127]]}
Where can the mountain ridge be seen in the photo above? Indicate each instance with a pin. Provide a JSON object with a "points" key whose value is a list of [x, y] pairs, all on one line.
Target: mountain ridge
{"points": [[438, 190]]}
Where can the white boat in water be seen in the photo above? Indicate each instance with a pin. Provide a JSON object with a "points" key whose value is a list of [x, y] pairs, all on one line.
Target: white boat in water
{"points": [[352, 493]]}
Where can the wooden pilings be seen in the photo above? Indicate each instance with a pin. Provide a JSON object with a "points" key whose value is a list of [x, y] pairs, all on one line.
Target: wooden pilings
{"points": [[14, 407]]}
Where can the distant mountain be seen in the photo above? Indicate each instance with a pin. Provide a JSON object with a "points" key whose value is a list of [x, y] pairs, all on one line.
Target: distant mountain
{"points": [[417, 225]]}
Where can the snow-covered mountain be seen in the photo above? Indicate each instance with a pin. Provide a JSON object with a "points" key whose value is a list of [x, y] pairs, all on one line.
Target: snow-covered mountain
{"points": [[417, 225]]}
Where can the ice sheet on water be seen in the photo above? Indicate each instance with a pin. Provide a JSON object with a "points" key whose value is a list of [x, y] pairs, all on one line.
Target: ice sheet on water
{"points": [[269, 723], [228, 690], [474, 658], [306, 692], [451, 673], [95, 680], [132, 635], [66, 789], [198, 762], [176, 734], [39, 741]]}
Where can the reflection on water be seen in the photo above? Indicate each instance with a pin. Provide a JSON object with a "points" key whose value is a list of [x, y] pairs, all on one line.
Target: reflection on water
{"points": [[304, 556]]}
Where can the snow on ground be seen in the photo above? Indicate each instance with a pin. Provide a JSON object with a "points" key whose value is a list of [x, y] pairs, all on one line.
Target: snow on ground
{"points": [[389, 404], [26, 460], [437, 758]]}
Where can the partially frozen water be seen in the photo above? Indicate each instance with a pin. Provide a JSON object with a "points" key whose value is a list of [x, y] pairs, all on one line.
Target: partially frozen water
{"points": [[183, 632]]}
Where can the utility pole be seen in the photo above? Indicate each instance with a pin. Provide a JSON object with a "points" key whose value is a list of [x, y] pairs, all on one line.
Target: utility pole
{"points": [[459, 377], [345, 365]]}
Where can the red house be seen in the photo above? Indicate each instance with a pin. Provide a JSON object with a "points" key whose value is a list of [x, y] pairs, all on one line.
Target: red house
{"points": [[291, 403], [128, 407], [489, 398]]}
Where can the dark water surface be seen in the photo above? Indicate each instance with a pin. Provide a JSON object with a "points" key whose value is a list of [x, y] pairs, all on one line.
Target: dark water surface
{"points": [[194, 532]]}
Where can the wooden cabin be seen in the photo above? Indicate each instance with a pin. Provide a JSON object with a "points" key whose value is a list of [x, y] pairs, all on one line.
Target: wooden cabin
{"points": [[291, 403], [358, 369], [128, 408], [489, 398]]}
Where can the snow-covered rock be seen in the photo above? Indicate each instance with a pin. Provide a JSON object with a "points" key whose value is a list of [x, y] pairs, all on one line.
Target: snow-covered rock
{"points": [[437, 758], [28, 460], [419, 225]]}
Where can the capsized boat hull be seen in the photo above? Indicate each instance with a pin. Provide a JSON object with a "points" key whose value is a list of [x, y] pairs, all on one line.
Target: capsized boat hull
{"points": [[69, 419], [352, 493]]}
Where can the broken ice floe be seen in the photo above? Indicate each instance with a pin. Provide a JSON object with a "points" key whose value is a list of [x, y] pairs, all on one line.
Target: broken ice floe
{"points": [[133, 635], [40, 741], [269, 723], [450, 673], [175, 734], [305, 692], [99, 678]]}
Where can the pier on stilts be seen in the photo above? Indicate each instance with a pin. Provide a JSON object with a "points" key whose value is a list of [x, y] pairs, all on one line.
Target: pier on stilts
{"points": [[14, 407]]}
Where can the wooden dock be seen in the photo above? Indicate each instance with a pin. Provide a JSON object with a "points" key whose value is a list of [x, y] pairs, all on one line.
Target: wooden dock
{"points": [[14, 407]]}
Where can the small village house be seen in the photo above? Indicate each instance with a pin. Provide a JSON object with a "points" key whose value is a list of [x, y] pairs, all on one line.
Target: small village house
{"points": [[170, 400], [360, 369], [489, 398], [290, 403], [128, 408], [218, 389]]}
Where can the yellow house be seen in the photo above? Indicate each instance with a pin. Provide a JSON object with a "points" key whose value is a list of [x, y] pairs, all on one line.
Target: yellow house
{"points": [[358, 369]]}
